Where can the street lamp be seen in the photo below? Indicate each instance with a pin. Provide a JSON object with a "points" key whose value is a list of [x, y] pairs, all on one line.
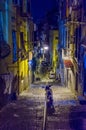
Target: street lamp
{"points": [[46, 47]]}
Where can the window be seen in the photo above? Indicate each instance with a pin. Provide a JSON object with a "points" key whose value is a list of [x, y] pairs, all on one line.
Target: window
{"points": [[22, 40], [28, 6], [14, 45], [16, 2], [84, 7], [1, 26], [77, 41], [85, 61], [24, 7]]}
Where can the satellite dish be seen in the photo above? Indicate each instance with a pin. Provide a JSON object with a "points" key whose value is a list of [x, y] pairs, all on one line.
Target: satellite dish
{"points": [[4, 49]]}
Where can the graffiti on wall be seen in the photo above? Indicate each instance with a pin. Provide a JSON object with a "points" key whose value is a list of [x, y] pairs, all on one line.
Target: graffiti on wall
{"points": [[7, 79]]}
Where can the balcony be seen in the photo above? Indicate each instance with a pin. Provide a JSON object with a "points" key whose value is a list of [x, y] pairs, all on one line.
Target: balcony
{"points": [[22, 54]]}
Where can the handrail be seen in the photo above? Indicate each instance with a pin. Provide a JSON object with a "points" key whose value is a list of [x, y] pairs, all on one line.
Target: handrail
{"points": [[45, 116]]}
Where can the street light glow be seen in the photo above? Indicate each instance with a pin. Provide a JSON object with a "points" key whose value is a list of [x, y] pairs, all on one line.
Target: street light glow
{"points": [[46, 48]]}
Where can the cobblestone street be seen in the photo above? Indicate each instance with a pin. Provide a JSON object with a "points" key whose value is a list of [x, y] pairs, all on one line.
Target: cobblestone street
{"points": [[27, 112]]}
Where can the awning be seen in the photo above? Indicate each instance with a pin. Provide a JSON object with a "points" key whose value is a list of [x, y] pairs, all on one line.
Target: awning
{"points": [[68, 63]]}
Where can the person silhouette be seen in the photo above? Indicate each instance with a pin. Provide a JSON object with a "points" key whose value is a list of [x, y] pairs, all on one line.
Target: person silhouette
{"points": [[49, 100]]}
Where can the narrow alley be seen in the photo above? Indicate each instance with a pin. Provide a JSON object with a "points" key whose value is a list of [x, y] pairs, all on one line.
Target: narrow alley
{"points": [[42, 64], [27, 113]]}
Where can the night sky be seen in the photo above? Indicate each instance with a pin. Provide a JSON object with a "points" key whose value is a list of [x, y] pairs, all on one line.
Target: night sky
{"points": [[39, 8]]}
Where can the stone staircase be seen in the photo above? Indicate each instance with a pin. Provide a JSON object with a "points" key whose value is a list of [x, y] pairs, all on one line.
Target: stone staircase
{"points": [[25, 114], [67, 118]]}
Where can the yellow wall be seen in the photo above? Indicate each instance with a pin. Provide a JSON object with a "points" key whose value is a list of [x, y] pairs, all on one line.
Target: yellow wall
{"points": [[55, 44], [19, 24]]}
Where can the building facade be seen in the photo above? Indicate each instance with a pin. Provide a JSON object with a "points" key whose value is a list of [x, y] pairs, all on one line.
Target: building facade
{"points": [[73, 26], [15, 39]]}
